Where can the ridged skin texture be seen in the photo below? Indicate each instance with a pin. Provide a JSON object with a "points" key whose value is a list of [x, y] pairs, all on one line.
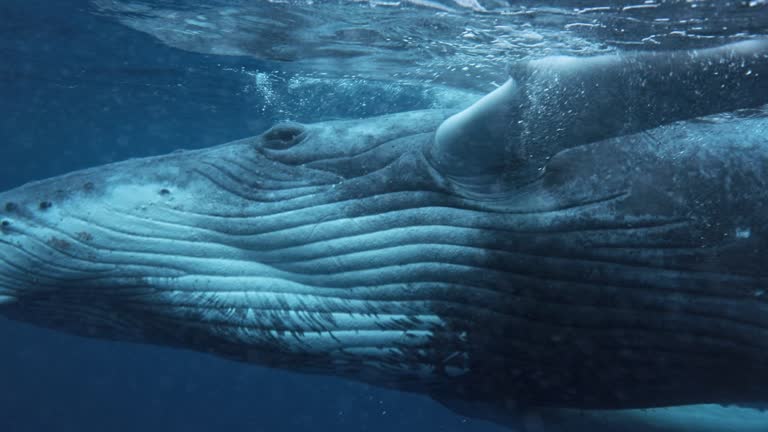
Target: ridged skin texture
{"points": [[626, 273]]}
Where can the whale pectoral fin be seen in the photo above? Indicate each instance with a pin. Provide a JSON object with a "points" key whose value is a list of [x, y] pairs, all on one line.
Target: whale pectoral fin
{"points": [[468, 143], [684, 418], [555, 103]]}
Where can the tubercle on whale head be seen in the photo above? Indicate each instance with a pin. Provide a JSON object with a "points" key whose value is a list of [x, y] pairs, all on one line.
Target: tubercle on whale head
{"points": [[13, 281], [50, 254]]}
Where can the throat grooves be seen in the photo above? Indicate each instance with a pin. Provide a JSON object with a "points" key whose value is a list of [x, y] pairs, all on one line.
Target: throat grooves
{"points": [[390, 276]]}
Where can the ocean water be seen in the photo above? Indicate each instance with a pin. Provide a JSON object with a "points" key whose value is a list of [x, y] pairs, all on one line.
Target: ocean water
{"points": [[84, 83]]}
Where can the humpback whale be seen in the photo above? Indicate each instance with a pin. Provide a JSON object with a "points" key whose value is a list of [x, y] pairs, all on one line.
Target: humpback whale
{"points": [[584, 247]]}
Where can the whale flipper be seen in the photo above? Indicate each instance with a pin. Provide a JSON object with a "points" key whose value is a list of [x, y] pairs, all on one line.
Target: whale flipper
{"points": [[555, 103], [686, 418]]}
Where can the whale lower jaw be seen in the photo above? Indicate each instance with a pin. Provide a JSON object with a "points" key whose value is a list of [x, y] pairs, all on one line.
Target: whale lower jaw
{"points": [[399, 286]]}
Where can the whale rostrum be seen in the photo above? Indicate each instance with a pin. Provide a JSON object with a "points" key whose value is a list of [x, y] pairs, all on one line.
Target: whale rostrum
{"points": [[584, 247]]}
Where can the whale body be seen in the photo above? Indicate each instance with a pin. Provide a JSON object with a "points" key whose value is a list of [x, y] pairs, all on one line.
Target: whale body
{"points": [[521, 261]]}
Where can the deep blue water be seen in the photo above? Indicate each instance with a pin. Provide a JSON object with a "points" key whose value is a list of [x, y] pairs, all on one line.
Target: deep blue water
{"points": [[77, 90]]}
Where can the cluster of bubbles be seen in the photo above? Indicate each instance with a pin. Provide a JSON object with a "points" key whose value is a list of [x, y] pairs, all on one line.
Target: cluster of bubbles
{"points": [[346, 58], [317, 97]]}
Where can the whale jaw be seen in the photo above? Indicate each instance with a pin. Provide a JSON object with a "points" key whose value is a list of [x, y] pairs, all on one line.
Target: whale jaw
{"points": [[360, 260]]}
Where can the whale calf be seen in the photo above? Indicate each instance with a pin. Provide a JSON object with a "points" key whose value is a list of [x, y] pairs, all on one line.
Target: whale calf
{"points": [[582, 248]]}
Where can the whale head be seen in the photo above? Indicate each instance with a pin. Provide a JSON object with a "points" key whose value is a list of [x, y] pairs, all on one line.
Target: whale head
{"points": [[595, 266], [340, 248], [289, 249]]}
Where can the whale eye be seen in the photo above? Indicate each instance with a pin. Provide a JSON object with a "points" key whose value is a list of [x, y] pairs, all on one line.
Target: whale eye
{"points": [[283, 136]]}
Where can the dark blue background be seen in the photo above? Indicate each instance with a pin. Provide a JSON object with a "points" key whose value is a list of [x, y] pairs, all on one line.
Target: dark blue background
{"points": [[78, 90]]}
